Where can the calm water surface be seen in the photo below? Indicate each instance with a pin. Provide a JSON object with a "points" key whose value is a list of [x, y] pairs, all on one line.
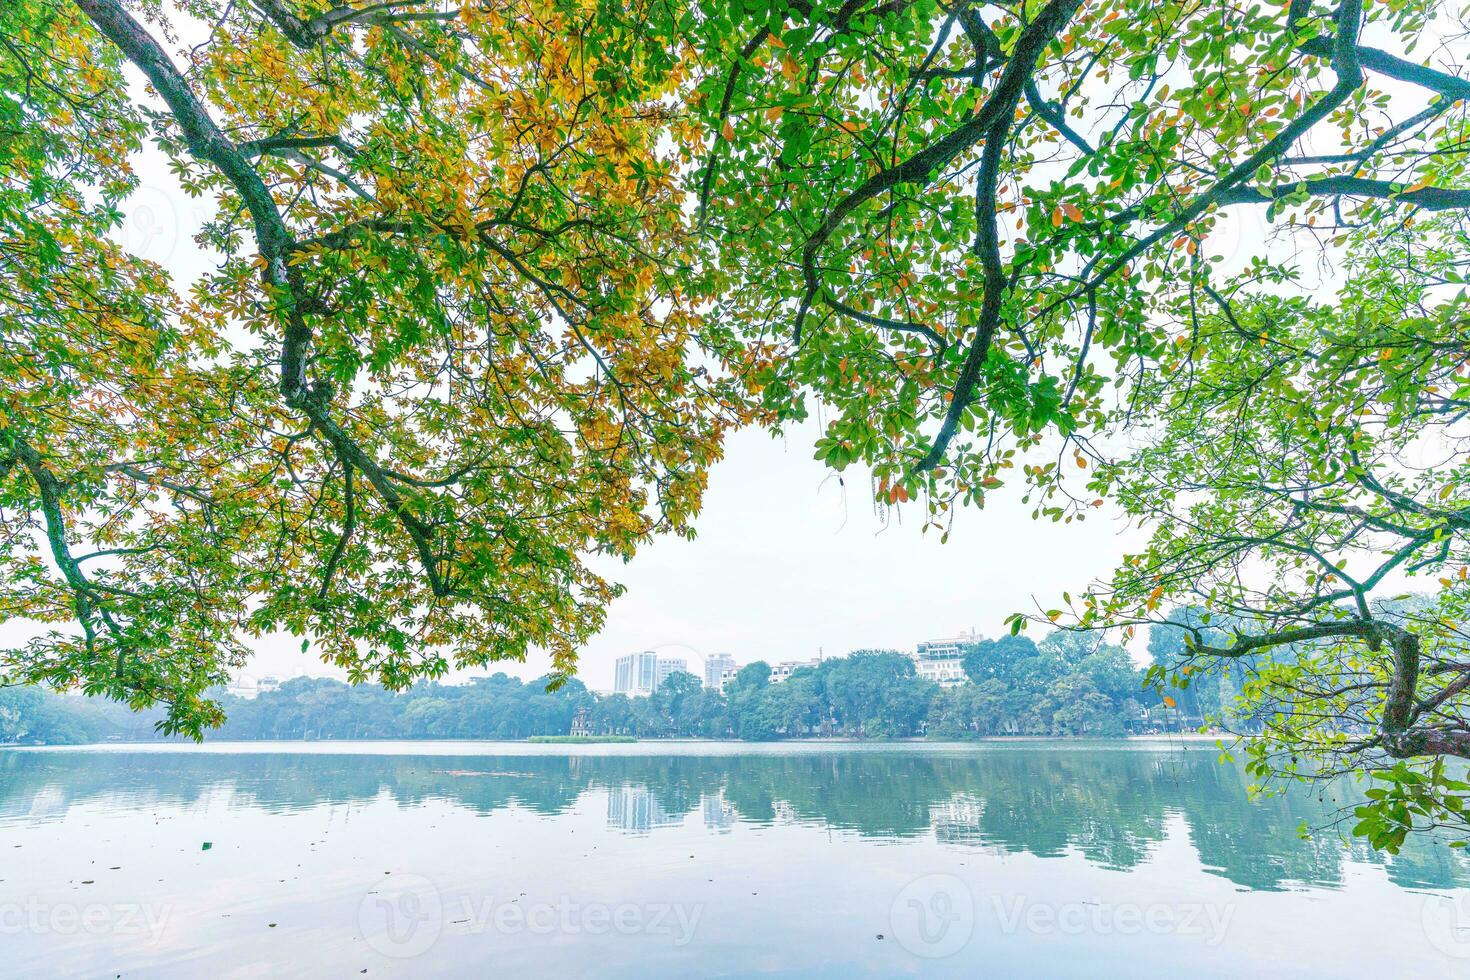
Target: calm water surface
{"points": [[669, 859]]}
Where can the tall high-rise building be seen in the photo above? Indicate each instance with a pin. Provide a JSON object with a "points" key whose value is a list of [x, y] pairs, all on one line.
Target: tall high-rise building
{"points": [[667, 666], [636, 673], [715, 667]]}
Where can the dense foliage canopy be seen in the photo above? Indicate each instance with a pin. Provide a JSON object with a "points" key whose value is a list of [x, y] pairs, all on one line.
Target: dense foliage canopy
{"points": [[450, 348], [490, 282]]}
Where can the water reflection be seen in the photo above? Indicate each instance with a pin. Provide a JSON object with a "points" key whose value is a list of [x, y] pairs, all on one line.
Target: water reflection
{"points": [[1112, 808], [636, 810]]}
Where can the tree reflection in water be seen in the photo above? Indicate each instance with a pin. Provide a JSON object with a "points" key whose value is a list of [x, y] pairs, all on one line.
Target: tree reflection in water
{"points": [[1110, 805]]}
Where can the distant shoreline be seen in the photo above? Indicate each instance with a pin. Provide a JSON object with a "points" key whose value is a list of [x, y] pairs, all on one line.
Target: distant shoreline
{"points": [[560, 741]]}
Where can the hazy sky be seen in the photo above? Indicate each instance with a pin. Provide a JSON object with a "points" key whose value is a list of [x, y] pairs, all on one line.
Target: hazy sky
{"points": [[789, 561]]}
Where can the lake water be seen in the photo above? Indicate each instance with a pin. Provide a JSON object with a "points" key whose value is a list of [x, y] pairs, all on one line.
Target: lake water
{"points": [[681, 859]]}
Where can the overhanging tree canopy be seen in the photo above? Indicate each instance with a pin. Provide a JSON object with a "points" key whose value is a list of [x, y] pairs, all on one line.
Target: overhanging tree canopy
{"points": [[980, 215], [452, 346], [495, 278]]}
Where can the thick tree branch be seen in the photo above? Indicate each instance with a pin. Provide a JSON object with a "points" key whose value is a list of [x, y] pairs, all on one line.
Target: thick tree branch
{"points": [[921, 166], [1429, 198], [275, 242]]}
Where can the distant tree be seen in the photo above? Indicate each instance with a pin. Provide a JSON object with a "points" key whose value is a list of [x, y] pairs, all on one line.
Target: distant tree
{"points": [[753, 675], [991, 707], [797, 705], [18, 712], [613, 714], [995, 658], [873, 692]]}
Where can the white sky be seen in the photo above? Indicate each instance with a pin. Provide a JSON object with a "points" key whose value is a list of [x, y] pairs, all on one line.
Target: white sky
{"points": [[788, 561]]}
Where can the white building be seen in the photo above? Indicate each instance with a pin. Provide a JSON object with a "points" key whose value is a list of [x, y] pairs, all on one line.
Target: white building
{"points": [[945, 672], [783, 670], [779, 672], [715, 667], [667, 666], [636, 673], [640, 674], [943, 661], [244, 687]]}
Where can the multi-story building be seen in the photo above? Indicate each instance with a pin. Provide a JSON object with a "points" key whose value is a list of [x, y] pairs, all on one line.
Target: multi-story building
{"points": [[639, 674], [943, 661], [779, 672], [715, 667], [944, 672], [667, 666], [636, 674], [783, 670]]}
